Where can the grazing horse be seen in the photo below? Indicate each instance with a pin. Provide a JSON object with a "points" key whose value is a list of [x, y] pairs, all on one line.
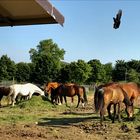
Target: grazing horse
{"points": [[133, 91], [49, 86], [4, 91], [70, 91], [24, 90], [107, 95]]}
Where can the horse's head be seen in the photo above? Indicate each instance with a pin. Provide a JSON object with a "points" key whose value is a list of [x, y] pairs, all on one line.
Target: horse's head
{"points": [[47, 90], [130, 111]]}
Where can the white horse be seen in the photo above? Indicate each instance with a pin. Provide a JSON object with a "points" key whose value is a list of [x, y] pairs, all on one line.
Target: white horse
{"points": [[24, 90]]}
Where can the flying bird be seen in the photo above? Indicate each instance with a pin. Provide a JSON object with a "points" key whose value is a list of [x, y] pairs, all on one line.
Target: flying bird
{"points": [[117, 20]]}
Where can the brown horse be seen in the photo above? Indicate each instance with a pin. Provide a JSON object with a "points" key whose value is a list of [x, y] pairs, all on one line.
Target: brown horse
{"points": [[52, 86], [4, 91], [49, 86], [70, 91], [133, 91], [107, 95]]}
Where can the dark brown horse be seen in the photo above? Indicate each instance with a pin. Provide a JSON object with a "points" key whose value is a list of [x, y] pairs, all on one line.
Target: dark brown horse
{"points": [[70, 91], [107, 95], [4, 91]]}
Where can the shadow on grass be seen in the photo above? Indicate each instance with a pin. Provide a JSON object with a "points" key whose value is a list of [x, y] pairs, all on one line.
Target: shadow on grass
{"points": [[64, 122]]}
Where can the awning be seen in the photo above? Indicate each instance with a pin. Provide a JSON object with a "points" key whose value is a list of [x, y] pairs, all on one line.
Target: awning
{"points": [[28, 12]]}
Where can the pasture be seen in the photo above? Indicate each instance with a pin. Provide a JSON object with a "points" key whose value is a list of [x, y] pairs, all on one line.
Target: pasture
{"points": [[38, 119]]}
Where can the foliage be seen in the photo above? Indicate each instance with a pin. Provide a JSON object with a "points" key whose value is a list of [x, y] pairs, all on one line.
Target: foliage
{"points": [[132, 76], [108, 70], [7, 68], [119, 72], [46, 59], [23, 72], [97, 73], [47, 65], [76, 72]]}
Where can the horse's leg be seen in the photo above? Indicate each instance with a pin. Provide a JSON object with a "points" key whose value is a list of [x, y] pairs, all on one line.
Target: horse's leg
{"points": [[61, 99], [119, 111], [29, 95], [114, 115], [13, 99], [82, 101], [109, 111], [78, 101], [65, 99]]}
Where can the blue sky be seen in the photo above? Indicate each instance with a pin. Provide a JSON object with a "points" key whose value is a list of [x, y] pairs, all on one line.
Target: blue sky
{"points": [[87, 33]]}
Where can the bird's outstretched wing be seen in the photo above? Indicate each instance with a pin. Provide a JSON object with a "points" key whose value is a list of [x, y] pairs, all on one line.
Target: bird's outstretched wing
{"points": [[119, 14], [117, 20]]}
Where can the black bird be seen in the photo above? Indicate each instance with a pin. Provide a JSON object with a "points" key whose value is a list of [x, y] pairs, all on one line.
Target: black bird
{"points": [[117, 20]]}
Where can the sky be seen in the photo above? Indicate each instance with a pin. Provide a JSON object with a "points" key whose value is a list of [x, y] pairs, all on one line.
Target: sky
{"points": [[87, 34]]}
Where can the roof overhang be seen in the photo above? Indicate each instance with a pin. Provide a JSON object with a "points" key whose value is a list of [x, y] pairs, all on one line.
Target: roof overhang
{"points": [[28, 12]]}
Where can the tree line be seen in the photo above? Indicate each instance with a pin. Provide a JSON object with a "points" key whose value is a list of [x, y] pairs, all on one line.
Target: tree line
{"points": [[47, 64]]}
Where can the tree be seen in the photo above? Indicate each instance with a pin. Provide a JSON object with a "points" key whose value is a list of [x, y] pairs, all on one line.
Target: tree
{"points": [[64, 76], [108, 70], [23, 72], [7, 68], [119, 71], [98, 72], [79, 71], [133, 76], [46, 59]]}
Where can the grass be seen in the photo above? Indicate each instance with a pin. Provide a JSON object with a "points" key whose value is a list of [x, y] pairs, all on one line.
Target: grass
{"points": [[34, 110], [41, 110]]}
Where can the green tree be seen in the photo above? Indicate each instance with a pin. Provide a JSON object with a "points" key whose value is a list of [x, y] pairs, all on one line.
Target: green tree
{"points": [[108, 70], [75, 72], [133, 76], [46, 59], [98, 72], [79, 71], [7, 68], [23, 72], [119, 71], [64, 76]]}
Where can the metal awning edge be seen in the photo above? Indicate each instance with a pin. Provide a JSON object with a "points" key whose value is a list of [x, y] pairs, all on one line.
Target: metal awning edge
{"points": [[49, 8]]}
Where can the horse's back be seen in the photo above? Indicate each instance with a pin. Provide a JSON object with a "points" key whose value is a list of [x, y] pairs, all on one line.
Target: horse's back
{"points": [[29, 87], [113, 93], [131, 89]]}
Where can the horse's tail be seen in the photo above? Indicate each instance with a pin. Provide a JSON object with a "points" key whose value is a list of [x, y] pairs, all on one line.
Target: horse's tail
{"points": [[126, 98], [85, 95], [98, 99]]}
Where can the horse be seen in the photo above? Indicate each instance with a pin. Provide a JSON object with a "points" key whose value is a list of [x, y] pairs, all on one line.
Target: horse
{"points": [[49, 86], [24, 90], [70, 91], [53, 85], [4, 91], [106, 95], [133, 91]]}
